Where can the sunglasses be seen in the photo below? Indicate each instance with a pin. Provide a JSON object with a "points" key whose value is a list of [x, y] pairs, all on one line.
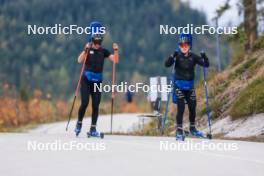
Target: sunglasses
{"points": [[184, 45]]}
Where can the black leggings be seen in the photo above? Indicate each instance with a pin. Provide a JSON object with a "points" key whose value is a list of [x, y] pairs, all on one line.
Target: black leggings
{"points": [[190, 97], [87, 89]]}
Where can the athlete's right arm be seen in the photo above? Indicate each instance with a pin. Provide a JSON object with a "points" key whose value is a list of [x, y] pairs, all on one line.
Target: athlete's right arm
{"points": [[169, 61], [171, 58], [83, 54]]}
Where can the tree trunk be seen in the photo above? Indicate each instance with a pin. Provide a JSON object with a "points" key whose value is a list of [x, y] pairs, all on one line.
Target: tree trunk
{"points": [[250, 23]]}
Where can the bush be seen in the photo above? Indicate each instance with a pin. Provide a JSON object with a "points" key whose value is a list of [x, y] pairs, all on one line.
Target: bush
{"points": [[249, 101], [17, 113]]}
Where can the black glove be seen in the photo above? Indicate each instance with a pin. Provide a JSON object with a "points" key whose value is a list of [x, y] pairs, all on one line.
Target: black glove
{"points": [[175, 54], [203, 55], [85, 49], [171, 59]]}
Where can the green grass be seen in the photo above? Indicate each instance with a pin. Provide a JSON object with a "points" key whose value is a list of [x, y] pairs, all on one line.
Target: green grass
{"points": [[250, 100], [219, 88], [238, 52], [244, 67], [215, 107]]}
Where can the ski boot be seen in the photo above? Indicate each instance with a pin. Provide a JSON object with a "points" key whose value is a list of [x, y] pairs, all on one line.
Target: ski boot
{"points": [[195, 133], [78, 128], [180, 134], [94, 133]]}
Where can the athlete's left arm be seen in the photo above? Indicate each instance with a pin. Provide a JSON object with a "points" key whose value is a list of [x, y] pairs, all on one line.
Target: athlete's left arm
{"points": [[114, 57], [202, 61]]}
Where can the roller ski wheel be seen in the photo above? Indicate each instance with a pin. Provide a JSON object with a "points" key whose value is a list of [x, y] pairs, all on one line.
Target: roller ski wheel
{"points": [[78, 128], [196, 134], [209, 136], [95, 134], [101, 135], [180, 136]]}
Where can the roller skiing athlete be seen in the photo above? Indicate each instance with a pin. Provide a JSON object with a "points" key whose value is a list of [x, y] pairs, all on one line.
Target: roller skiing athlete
{"points": [[184, 66], [94, 56]]}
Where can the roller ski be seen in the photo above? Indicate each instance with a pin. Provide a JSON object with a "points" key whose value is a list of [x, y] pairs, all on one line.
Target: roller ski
{"points": [[94, 133], [198, 134], [180, 136], [195, 133], [78, 128]]}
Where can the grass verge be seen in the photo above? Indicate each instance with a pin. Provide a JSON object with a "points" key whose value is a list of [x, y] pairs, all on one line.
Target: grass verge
{"points": [[250, 100]]}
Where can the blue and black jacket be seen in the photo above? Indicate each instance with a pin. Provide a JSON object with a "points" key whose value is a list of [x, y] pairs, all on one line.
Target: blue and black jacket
{"points": [[185, 68]]}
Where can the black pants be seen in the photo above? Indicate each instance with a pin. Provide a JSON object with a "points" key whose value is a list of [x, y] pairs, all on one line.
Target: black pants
{"points": [[190, 97], [87, 90]]}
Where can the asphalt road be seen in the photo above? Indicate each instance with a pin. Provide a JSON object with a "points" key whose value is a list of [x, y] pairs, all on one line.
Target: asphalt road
{"points": [[49, 150]]}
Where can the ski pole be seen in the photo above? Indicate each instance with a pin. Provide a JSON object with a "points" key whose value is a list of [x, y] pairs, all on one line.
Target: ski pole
{"points": [[113, 83], [209, 135], [76, 90], [168, 99]]}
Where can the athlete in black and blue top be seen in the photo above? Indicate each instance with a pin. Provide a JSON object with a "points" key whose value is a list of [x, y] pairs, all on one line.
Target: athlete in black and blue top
{"points": [[91, 77], [184, 62]]}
